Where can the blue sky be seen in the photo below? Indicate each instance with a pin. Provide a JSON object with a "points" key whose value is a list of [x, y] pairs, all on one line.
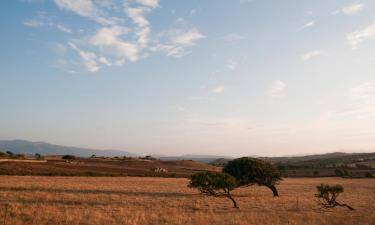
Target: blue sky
{"points": [[224, 77]]}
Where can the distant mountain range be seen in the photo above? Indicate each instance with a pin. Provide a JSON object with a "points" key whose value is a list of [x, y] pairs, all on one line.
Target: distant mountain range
{"points": [[28, 147]]}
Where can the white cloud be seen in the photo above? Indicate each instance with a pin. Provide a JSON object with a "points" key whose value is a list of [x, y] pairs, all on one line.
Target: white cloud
{"points": [[233, 37], [64, 28], [33, 23], [363, 91], [113, 44], [108, 39], [353, 8], [81, 7], [218, 89], [186, 37], [359, 36], [277, 89], [362, 102], [149, 3], [138, 16], [170, 50], [309, 24], [310, 55], [232, 65], [85, 8], [177, 40], [89, 58]]}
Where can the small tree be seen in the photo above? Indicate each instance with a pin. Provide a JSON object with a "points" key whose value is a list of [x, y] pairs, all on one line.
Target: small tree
{"points": [[68, 157], [250, 171], [327, 196], [214, 184], [38, 156], [369, 175]]}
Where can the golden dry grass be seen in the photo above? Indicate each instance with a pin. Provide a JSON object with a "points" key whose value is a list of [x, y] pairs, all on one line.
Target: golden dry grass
{"points": [[132, 200]]}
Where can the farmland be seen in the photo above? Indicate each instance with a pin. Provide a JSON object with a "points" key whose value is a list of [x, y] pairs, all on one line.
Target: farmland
{"points": [[147, 200]]}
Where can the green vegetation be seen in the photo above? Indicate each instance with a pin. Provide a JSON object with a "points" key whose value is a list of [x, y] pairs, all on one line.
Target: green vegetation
{"points": [[251, 171], [342, 173], [369, 175], [214, 184], [327, 196]]}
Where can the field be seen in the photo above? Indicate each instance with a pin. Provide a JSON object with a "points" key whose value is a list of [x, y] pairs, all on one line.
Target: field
{"points": [[55, 166], [136, 200]]}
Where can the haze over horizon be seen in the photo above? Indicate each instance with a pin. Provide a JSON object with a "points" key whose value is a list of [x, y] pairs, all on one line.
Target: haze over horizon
{"points": [[241, 77]]}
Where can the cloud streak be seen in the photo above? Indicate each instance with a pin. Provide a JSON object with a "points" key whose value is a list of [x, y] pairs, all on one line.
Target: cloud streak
{"points": [[359, 36]]}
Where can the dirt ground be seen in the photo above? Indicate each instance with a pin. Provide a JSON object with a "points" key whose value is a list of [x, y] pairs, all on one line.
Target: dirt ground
{"points": [[141, 200]]}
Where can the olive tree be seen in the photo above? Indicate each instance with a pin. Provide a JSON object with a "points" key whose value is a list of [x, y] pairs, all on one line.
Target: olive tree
{"points": [[214, 184], [327, 196], [250, 171]]}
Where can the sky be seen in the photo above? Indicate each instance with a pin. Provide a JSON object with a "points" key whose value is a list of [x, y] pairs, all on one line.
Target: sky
{"points": [[212, 77]]}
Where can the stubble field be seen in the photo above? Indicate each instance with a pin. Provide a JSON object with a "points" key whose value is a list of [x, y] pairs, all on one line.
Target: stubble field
{"points": [[133, 200]]}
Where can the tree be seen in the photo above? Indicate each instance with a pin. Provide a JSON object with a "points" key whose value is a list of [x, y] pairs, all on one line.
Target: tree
{"points": [[38, 156], [214, 184], [68, 157], [327, 196], [369, 175], [250, 171]]}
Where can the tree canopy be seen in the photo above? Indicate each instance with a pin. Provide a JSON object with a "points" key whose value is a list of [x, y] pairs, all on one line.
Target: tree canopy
{"points": [[250, 171], [214, 184]]}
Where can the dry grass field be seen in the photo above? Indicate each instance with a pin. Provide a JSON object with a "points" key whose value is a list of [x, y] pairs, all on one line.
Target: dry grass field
{"points": [[132, 200]]}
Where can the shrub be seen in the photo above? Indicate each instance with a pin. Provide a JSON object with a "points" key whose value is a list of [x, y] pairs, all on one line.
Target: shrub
{"points": [[250, 171], [342, 173], [369, 175], [327, 196], [38, 156], [214, 184], [68, 157]]}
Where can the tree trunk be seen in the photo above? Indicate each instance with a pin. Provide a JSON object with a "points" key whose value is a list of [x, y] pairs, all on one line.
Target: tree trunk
{"points": [[345, 205], [234, 201], [274, 190]]}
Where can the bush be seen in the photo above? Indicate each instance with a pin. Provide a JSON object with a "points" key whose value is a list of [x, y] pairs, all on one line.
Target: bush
{"points": [[327, 196], [342, 173], [38, 156], [68, 157], [369, 175], [250, 171], [214, 184]]}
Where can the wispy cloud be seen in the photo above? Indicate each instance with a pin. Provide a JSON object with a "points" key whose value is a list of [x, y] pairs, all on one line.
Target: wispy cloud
{"points": [[89, 58], [232, 65], [218, 89], [114, 43], [233, 37], [277, 89], [310, 55], [359, 36], [33, 23], [309, 24], [149, 3], [85, 8], [186, 38], [64, 28], [175, 41], [362, 102], [351, 9]]}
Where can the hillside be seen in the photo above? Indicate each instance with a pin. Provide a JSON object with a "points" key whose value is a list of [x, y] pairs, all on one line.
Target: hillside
{"points": [[28, 147]]}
